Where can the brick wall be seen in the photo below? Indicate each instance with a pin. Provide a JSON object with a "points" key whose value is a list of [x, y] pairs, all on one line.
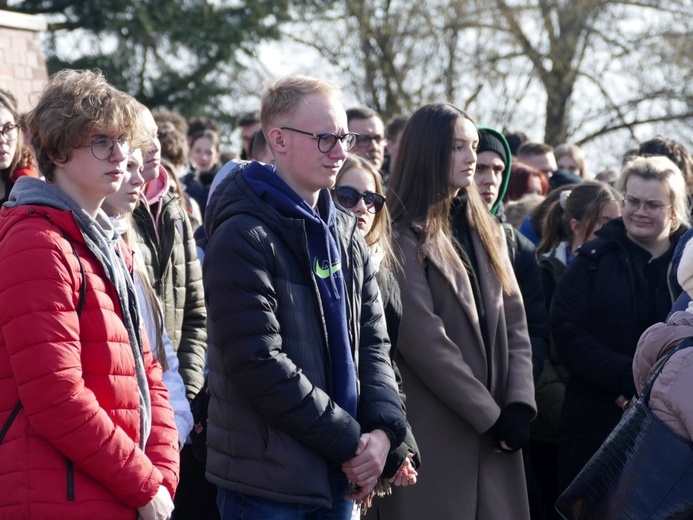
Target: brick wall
{"points": [[23, 70]]}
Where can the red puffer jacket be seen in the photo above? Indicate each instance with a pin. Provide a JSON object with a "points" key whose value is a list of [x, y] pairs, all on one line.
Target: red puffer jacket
{"points": [[72, 452]]}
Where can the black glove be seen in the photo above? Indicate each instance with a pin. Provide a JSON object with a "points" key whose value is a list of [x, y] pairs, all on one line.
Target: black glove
{"points": [[512, 427]]}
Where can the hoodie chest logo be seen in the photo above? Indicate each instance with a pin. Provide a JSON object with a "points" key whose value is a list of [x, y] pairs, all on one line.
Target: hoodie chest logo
{"points": [[324, 271]]}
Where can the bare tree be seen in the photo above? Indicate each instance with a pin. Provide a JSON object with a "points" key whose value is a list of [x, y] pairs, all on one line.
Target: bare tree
{"points": [[393, 54], [585, 71], [588, 50]]}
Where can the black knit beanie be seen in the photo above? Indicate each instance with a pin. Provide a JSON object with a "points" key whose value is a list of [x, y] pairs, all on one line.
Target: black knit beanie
{"points": [[490, 143]]}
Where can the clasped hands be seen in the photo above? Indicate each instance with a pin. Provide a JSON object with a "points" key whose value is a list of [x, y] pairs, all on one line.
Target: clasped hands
{"points": [[367, 464]]}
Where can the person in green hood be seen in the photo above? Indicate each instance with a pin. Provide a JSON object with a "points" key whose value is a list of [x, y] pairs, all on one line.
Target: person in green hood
{"points": [[492, 175], [493, 166]]}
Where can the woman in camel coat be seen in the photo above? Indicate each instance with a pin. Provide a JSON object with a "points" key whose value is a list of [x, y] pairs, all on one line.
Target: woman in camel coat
{"points": [[463, 349]]}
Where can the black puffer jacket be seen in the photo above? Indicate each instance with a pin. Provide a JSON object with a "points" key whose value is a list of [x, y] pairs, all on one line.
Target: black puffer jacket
{"points": [[273, 430], [197, 187], [605, 300], [528, 273], [392, 305], [170, 255]]}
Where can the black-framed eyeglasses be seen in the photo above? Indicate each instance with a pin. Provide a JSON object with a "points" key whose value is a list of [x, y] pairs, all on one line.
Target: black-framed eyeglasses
{"points": [[350, 197], [10, 132], [102, 147], [652, 208], [364, 140], [328, 140]]}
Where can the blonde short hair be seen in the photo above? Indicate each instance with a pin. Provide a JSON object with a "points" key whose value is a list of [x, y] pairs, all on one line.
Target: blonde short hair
{"points": [[662, 169], [283, 97]]}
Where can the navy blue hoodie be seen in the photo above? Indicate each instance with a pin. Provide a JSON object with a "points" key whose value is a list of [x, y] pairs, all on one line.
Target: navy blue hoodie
{"points": [[325, 254]]}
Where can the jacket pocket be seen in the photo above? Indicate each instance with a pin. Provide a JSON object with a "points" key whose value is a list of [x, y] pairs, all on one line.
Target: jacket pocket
{"points": [[271, 445], [70, 480]]}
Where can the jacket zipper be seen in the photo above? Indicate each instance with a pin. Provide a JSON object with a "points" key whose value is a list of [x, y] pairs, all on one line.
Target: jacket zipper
{"points": [[70, 480]]}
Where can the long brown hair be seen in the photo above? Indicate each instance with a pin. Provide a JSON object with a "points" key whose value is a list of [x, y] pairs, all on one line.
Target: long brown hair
{"points": [[419, 189], [584, 203]]}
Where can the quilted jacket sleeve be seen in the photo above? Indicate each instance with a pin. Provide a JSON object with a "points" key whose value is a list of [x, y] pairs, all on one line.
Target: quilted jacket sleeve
{"points": [[176, 390], [192, 350], [44, 341]]}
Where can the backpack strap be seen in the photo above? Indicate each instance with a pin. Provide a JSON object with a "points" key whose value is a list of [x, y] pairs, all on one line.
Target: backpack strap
{"points": [[80, 307], [10, 420]]}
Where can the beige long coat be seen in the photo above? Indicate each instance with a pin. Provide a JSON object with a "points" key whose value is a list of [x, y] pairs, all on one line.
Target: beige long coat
{"points": [[450, 402]]}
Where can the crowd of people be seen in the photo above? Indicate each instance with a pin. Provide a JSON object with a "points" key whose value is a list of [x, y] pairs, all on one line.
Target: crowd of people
{"points": [[420, 318]]}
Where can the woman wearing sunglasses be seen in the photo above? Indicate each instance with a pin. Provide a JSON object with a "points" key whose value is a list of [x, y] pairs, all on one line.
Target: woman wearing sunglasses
{"points": [[463, 347], [359, 189]]}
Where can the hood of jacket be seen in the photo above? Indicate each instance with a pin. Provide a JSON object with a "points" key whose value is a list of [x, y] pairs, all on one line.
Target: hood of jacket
{"points": [[71, 218], [613, 233], [157, 188], [235, 196], [508, 167]]}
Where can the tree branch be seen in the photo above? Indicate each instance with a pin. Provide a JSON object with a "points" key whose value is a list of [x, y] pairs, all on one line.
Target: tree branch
{"points": [[606, 129]]}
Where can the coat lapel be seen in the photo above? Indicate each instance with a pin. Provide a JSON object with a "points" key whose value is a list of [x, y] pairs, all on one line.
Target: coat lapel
{"points": [[490, 289], [458, 281]]}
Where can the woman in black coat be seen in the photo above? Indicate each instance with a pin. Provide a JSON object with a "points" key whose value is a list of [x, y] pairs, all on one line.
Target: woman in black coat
{"points": [[359, 189], [615, 289]]}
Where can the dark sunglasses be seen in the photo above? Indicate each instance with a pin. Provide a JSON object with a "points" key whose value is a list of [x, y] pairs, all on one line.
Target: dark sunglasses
{"points": [[349, 197]]}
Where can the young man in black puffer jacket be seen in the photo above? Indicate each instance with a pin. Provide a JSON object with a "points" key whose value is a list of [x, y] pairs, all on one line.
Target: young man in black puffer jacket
{"points": [[303, 399]]}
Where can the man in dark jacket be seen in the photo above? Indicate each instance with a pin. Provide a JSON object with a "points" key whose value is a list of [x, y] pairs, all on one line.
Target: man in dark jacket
{"points": [[492, 175], [493, 167], [302, 396]]}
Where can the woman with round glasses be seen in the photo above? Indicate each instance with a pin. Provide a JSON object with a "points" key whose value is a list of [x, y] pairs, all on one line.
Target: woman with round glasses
{"points": [[16, 160], [614, 289], [463, 346], [359, 189]]}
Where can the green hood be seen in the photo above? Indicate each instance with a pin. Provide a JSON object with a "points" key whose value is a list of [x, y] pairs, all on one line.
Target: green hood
{"points": [[508, 166]]}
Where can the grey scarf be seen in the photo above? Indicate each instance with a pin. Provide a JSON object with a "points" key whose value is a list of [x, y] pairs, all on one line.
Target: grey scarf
{"points": [[101, 239]]}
